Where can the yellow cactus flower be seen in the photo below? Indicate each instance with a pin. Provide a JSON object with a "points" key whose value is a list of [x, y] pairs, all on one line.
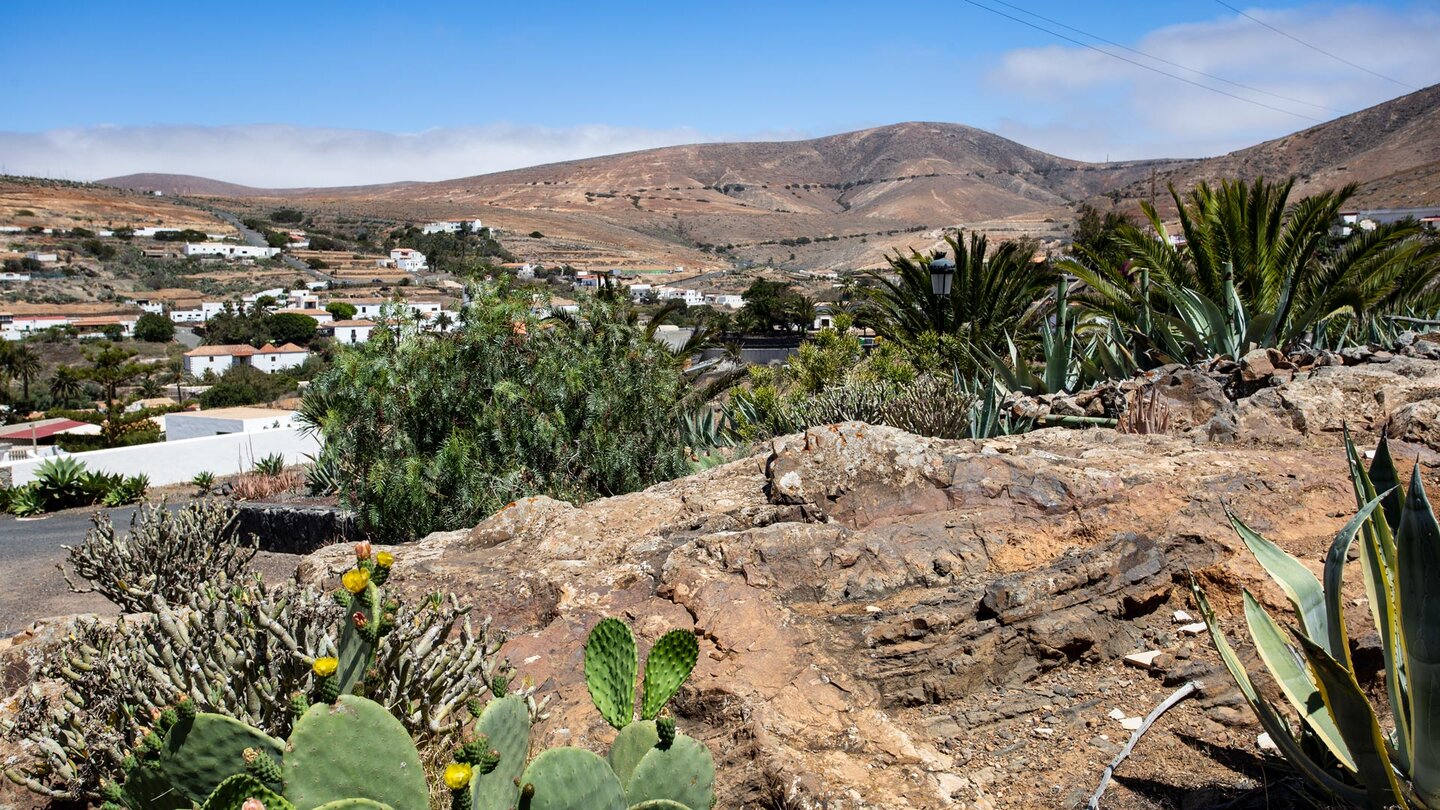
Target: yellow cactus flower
{"points": [[384, 559], [355, 580], [457, 775], [325, 667]]}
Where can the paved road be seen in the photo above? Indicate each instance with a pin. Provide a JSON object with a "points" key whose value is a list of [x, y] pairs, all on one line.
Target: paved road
{"points": [[34, 588], [187, 337]]}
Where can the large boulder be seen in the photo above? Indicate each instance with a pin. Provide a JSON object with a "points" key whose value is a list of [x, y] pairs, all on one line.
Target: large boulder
{"points": [[900, 622]]}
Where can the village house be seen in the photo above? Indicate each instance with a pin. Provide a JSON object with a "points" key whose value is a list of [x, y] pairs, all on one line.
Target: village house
{"points": [[229, 251], [409, 260], [451, 226], [7, 276], [271, 358], [43, 258], [268, 358], [351, 332]]}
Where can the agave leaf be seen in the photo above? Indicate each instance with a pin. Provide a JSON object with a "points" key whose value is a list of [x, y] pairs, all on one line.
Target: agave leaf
{"points": [[1300, 586], [1335, 582], [1357, 724], [1385, 477], [1418, 554], [1294, 678], [1378, 563], [1270, 720]]}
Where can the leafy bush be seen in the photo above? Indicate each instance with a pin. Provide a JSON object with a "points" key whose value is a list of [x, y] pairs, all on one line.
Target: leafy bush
{"points": [[166, 553], [1340, 744], [341, 310], [153, 328], [291, 327], [246, 385], [204, 483], [287, 215], [499, 409]]}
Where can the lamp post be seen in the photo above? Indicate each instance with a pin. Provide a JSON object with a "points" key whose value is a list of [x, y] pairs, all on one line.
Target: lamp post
{"points": [[942, 273]]}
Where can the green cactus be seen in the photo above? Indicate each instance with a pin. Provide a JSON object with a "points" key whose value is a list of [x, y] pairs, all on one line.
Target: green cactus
{"points": [[263, 767], [353, 749], [630, 746], [505, 723], [358, 639], [232, 793], [684, 773], [192, 759], [570, 779], [659, 804], [669, 664], [352, 804], [610, 664]]}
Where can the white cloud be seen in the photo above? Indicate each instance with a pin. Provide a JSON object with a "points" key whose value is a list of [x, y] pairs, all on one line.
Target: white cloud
{"points": [[279, 156], [1126, 112]]}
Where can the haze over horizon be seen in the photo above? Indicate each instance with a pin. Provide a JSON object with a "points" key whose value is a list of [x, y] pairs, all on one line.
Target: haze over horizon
{"points": [[330, 94]]}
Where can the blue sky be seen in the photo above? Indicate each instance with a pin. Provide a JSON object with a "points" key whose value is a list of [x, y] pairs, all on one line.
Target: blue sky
{"points": [[364, 91]]}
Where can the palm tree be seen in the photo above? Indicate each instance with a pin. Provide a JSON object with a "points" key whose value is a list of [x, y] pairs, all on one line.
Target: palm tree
{"points": [[66, 384], [25, 365], [993, 294], [1249, 248]]}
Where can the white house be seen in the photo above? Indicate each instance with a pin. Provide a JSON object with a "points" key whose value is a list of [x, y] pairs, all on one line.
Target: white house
{"points": [[321, 316], [187, 315], [639, 291], [14, 276], [228, 251], [526, 272], [692, 298], [451, 226], [219, 421], [43, 258], [271, 358], [352, 331], [725, 300], [409, 260], [218, 359]]}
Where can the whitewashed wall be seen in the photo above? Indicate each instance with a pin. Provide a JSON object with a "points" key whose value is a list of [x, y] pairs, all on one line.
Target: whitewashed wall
{"points": [[179, 461]]}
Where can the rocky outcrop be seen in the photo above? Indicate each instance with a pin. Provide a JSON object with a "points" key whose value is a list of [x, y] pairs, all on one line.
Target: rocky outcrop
{"points": [[892, 621]]}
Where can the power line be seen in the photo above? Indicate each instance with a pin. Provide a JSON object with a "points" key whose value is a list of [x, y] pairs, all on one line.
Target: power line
{"points": [[1163, 60], [1315, 48], [1150, 68]]}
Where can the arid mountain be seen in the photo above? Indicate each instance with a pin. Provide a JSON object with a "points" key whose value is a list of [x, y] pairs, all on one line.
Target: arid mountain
{"points": [[844, 201]]}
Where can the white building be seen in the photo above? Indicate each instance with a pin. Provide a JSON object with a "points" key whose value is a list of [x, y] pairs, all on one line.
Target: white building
{"points": [[351, 332], [43, 258], [409, 260], [14, 276], [526, 272], [639, 291], [451, 226], [217, 359], [692, 298], [229, 251], [321, 316], [725, 300], [187, 315], [271, 358], [219, 421]]}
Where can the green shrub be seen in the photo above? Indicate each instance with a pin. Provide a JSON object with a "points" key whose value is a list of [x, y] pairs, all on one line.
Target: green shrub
{"points": [[499, 409], [273, 464], [153, 328]]}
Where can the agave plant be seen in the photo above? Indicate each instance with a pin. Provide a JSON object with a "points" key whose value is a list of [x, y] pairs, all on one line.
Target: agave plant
{"points": [[1341, 743], [60, 482], [25, 501], [271, 465], [204, 483]]}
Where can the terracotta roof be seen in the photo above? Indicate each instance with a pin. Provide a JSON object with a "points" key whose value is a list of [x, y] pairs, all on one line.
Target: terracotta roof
{"points": [[352, 323], [237, 350], [285, 348], [102, 320]]}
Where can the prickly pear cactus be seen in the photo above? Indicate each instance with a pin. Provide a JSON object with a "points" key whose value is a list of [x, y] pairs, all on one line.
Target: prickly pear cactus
{"points": [[658, 804], [363, 600], [684, 773], [610, 664], [670, 662], [195, 755], [570, 779], [351, 804], [630, 746], [353, 749], [232, 794], [505, 722]]}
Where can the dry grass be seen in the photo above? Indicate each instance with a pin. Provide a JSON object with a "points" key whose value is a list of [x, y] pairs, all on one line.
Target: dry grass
{"points": [[1145, 413], [255, 486]]}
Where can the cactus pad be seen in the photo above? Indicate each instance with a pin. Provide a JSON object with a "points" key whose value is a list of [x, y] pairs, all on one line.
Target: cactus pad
{"points": [[669, 664], [683, 773], [658, 804], [232, 793], [573, 779], [351, 804], [355, 650], [610, 665], [506, 723], [200, 753], [630, 746], [353, 750]]}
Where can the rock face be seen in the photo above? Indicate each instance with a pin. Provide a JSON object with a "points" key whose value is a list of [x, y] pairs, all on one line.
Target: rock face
{"points": [[888, 621]]}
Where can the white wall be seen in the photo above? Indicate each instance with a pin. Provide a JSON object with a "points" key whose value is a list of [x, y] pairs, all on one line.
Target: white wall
{"points": [[178, 462], [278, 361]]}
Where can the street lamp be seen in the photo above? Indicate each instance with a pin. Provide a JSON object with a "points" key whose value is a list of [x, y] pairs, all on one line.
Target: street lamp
{"points": [[942, 273]]}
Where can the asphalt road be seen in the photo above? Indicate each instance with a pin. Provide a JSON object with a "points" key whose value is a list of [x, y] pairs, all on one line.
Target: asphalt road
{"points": [[34, 588], [257, 239]]}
